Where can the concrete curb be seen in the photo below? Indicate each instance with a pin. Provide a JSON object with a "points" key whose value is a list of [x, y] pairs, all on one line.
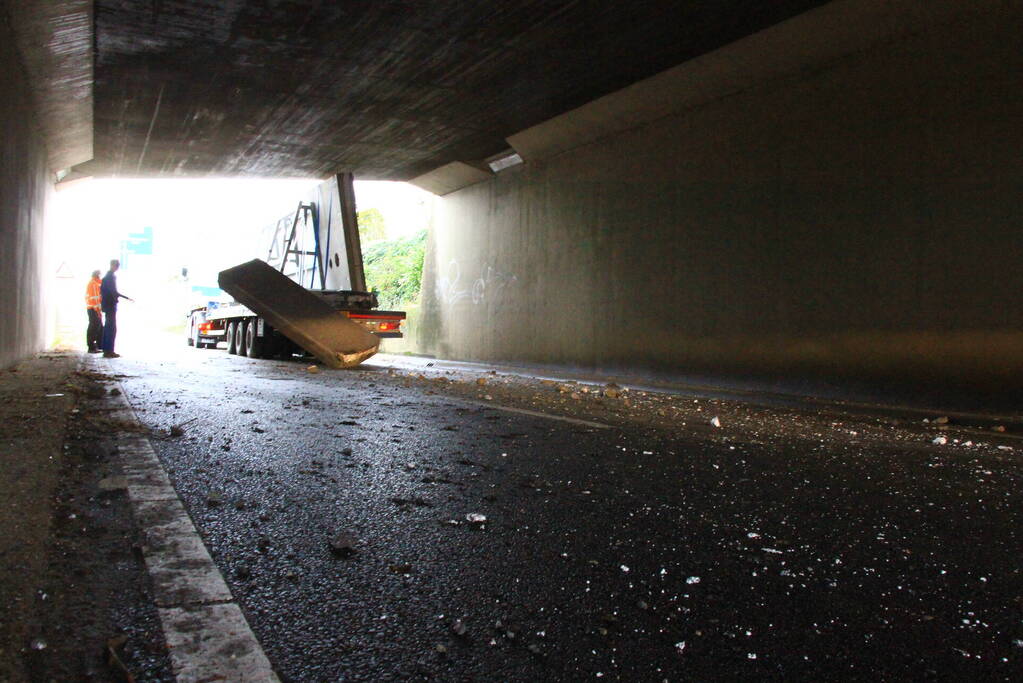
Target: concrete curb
{"points": [[207, 635]]}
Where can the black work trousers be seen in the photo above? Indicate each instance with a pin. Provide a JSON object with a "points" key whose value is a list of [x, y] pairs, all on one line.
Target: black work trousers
{"points": [[109, 329], [94, 335]]}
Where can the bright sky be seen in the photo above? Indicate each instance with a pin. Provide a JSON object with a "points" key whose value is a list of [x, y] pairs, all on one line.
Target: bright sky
{"points": [[204, 225]]}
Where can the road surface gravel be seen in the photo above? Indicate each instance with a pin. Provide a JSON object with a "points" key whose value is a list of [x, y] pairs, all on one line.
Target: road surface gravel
{"points": [[388, 523]]}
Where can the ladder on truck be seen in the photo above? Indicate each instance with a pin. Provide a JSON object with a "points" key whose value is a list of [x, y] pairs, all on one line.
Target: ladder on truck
{"points": [[318, 245], [287, 252]]}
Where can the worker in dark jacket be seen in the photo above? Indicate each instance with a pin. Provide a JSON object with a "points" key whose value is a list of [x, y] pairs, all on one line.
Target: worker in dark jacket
{"points": [[109, 297]]}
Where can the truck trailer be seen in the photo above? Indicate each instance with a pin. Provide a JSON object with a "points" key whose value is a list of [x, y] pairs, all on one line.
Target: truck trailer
{"points": [[307, 296]]}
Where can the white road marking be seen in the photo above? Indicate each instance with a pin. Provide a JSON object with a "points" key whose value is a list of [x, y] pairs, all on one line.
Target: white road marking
{"points": [[206, 632], [547, 416]]}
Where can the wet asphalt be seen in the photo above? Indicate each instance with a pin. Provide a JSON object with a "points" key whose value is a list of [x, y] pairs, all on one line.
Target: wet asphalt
{"points": [[337, 505]]}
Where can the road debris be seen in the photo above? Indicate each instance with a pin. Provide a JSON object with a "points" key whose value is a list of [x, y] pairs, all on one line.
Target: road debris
{"points": [[113, 652], [179, 429], [113, 483], [736, 495], [342, 544]]}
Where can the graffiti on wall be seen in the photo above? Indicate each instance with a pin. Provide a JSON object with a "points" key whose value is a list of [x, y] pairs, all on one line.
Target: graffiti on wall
{"points": [[452, 288]]}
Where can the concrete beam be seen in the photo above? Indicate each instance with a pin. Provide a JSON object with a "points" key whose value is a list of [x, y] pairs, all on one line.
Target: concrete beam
{"points": [[386, 89], [451, 177], [818, 36], [299, 315], [55, 41]]}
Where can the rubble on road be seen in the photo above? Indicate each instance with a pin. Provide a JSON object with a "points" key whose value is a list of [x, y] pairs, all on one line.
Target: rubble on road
{"points": [[342, 544]]}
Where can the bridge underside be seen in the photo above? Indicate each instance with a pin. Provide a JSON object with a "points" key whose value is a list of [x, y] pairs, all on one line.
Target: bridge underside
{"points": [[387, 89]]}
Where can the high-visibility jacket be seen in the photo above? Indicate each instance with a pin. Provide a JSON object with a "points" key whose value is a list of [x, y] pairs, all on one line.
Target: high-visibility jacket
{"points": [[92, 295]]}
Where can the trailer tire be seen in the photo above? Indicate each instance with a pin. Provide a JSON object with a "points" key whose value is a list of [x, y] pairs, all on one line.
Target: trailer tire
{"points": [[232, 338], [239, 337], [253, 343]]}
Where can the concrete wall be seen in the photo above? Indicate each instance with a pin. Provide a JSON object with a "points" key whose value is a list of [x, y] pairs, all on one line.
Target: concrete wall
{"points": [[25, 187], [855, 220]]}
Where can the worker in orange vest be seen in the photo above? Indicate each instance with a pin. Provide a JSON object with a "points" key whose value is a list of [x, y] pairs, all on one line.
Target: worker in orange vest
{"points": [[94, 335]]}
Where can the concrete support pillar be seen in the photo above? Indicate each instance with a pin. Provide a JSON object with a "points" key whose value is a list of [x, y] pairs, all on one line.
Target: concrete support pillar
{"points": [[25, 185]]}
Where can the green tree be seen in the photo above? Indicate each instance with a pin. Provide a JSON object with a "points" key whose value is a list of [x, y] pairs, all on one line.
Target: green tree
{"points": [[395, 269], [372, 227]]}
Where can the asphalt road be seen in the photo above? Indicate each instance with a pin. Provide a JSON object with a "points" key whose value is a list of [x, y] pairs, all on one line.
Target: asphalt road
{"points": [[624, 540]]}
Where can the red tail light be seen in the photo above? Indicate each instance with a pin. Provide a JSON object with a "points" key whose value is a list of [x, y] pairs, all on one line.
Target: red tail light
{"points": [[387, 327]]}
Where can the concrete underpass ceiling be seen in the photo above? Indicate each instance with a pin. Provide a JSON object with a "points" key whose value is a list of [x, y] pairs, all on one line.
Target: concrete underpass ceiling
{"points": [[54, 39], [387, 89]]}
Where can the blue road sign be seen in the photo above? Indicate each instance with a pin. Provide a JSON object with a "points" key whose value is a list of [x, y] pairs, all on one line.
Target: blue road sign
{"points": [[139, 242]]}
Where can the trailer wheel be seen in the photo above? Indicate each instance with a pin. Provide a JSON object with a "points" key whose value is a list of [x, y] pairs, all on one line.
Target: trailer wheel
{"points": [[232, 338], [253, 343], [239, 337]]}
